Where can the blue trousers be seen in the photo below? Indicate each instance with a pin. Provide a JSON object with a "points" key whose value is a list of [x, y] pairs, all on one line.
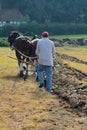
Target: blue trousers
{"points": [[48, 72]]}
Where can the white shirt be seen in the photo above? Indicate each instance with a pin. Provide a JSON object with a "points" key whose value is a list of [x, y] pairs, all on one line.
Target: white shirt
{"points": [[45, 50]]}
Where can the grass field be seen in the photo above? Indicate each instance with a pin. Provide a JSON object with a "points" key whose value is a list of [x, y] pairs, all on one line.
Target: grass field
{"points": [[6, 64], [77, 36], [77, 52], [23, 106]]}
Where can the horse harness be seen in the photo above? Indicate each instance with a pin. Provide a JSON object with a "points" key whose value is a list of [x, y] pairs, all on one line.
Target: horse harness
{"points": [[31, 59]]}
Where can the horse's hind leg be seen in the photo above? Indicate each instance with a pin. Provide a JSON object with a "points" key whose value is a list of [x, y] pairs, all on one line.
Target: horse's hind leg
{"points": [[20, 64], [21, 69], [27, 69], [26, 72]]}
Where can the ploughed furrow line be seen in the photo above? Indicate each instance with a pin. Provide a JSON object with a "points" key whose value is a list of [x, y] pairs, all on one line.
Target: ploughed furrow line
{"points": [[71, 58], [67, 84]]}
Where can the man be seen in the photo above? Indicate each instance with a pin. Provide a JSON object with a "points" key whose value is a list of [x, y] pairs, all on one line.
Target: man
{"points": [[45, 51]]}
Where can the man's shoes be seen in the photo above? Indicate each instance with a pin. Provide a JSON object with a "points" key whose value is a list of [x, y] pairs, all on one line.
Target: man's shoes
{"points": [[37, 79], [44, 82], [41, 85], [51, 91]]}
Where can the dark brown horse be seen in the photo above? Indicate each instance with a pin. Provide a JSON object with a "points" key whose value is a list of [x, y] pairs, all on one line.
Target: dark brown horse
{"points": [[24, 50]]}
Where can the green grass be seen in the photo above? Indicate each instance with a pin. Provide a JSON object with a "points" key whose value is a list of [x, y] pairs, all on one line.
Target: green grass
{"points": [[70, 36], [3, 39]]}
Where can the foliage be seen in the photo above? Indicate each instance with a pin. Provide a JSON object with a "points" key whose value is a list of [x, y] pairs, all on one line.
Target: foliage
{"points": [[53, 28], [56, 16], [61, 11]]}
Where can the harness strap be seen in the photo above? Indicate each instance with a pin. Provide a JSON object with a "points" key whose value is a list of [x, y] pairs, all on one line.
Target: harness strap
{"points": [[30, 58], [20, 60]]}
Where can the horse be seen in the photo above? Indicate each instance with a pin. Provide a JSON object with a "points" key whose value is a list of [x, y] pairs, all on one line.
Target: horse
{"points": [[24, 50]]}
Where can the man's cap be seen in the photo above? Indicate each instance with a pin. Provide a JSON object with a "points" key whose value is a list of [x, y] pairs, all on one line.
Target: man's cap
{"points": [[45, 34]]}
